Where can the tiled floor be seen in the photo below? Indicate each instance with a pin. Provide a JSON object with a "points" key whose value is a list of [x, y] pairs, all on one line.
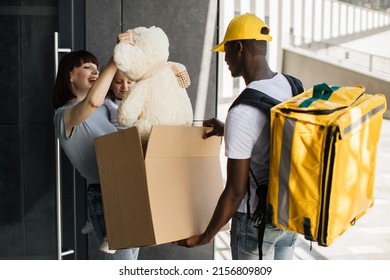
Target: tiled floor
{"points": [[368, 239]]}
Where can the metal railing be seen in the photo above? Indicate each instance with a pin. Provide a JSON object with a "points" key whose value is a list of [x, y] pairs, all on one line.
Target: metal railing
{"points": [[364, 61], [323, 25]]}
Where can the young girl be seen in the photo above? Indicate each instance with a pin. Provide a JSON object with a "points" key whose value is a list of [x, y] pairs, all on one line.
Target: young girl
{"points": [[79, 118], [120, 86]]}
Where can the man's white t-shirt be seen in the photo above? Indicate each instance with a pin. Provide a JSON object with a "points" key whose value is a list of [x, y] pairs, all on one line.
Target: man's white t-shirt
{"points": [[247, 134]]}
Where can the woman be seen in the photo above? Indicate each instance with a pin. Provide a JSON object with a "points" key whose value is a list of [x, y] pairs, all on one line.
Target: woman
{"points": [[78, 96]]}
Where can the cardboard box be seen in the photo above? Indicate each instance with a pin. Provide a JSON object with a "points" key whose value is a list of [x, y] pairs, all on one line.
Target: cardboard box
{"points": [[168, 195]]}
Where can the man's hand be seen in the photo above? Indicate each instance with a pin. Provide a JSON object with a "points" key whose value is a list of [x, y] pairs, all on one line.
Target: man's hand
{"points": [[217, 125], [193, 241]]}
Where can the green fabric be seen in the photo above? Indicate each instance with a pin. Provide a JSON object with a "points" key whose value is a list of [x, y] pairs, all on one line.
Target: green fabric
{"points": [[320, 91]]}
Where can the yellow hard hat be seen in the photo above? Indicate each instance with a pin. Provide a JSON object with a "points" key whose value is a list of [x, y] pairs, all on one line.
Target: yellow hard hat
{"points": [[243, 27]]}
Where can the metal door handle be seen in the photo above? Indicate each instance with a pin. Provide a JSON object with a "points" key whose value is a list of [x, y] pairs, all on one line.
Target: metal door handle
{"points": [[60, 253]]}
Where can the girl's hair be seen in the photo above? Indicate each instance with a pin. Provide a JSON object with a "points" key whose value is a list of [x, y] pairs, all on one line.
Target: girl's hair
{"points": [[62, 92]]}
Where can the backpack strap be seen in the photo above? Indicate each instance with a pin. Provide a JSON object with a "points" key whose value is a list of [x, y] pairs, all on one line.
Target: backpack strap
{"points": [[259, 215], [261, 100], [295, 84], [255, 98]]}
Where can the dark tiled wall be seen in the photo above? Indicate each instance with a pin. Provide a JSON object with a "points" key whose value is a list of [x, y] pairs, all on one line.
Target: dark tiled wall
{"points": [[27, 190]]}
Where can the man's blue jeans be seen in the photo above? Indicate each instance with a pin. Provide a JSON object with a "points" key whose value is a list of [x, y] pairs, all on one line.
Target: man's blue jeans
{"points": [[278, 244]]}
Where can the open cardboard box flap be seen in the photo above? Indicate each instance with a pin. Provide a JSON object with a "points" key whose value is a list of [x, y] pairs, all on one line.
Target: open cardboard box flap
{"points": [[168, 195]]}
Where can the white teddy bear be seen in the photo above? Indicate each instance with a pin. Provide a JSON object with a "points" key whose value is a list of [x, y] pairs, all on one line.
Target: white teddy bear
{"points": [[157, 97]]}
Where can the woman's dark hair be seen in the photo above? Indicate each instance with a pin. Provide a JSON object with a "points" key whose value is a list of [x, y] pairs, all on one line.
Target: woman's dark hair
{"points": [[110, 95], [62, 92]]}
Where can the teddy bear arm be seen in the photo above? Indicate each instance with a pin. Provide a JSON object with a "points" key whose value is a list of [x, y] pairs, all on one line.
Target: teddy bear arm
{"points": [[131, 108]]}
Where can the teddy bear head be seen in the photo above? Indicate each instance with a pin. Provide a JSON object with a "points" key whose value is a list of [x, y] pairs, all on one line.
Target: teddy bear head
{"points": [[151, 50]]}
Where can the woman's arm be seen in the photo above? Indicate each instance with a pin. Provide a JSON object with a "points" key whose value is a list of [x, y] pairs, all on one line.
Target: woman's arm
{"points": [[93, 100], [95, 97]]}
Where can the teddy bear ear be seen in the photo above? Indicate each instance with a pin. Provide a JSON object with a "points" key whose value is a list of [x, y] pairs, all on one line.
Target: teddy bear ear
{"points": [[120, 56]]}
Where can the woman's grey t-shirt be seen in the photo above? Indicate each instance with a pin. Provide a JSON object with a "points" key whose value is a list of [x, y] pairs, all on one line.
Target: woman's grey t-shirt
{"points": [[80, 147]]}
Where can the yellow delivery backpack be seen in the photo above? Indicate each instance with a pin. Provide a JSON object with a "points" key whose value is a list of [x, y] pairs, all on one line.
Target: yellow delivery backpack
{"points": [[322, 160]]}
